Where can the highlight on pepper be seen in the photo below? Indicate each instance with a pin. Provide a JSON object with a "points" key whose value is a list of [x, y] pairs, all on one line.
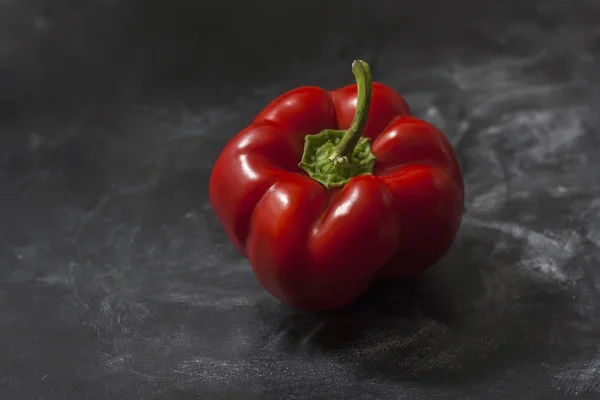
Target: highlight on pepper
{"points": [[326, 192]]}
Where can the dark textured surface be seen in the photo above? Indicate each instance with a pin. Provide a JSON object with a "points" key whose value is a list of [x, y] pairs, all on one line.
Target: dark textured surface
{"points": [[116, 282]]}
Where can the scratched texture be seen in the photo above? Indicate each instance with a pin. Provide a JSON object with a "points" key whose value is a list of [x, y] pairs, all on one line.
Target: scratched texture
{"points": [[116, 281]]}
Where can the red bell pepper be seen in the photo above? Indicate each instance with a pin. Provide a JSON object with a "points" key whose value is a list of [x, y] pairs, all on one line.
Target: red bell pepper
{"points": [[327, 191]]}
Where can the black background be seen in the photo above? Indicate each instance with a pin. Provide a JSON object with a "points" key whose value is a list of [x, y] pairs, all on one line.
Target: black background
{"points": [[116, 281]]}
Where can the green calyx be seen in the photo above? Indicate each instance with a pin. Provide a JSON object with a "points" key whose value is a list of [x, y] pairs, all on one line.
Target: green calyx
{"points": [[334, 157], [324, 164]]}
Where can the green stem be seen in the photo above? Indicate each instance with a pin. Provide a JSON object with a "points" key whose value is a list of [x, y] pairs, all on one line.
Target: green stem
{"points": [[364, 80], [333, 157]]}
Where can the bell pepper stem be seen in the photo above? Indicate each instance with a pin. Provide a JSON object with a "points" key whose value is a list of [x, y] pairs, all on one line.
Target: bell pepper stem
{"points": [[364, 80], [333, 157]]}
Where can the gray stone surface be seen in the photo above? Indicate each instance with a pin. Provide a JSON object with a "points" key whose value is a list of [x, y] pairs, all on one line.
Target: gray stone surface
{"points": [[116, 281]]}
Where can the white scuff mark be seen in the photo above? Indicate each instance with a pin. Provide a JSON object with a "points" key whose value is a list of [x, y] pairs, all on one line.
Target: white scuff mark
{"points": [[491, 199], [533, 238], [547, 253], [27, 252], [580, 377], [211, 300], [541, 132]]}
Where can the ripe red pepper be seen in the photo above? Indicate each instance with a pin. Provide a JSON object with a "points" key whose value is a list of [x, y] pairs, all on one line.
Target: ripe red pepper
{"points": [[326, 191]]}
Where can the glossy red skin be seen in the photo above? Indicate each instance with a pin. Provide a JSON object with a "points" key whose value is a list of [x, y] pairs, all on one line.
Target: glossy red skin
{"points": [[319, 249]]}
